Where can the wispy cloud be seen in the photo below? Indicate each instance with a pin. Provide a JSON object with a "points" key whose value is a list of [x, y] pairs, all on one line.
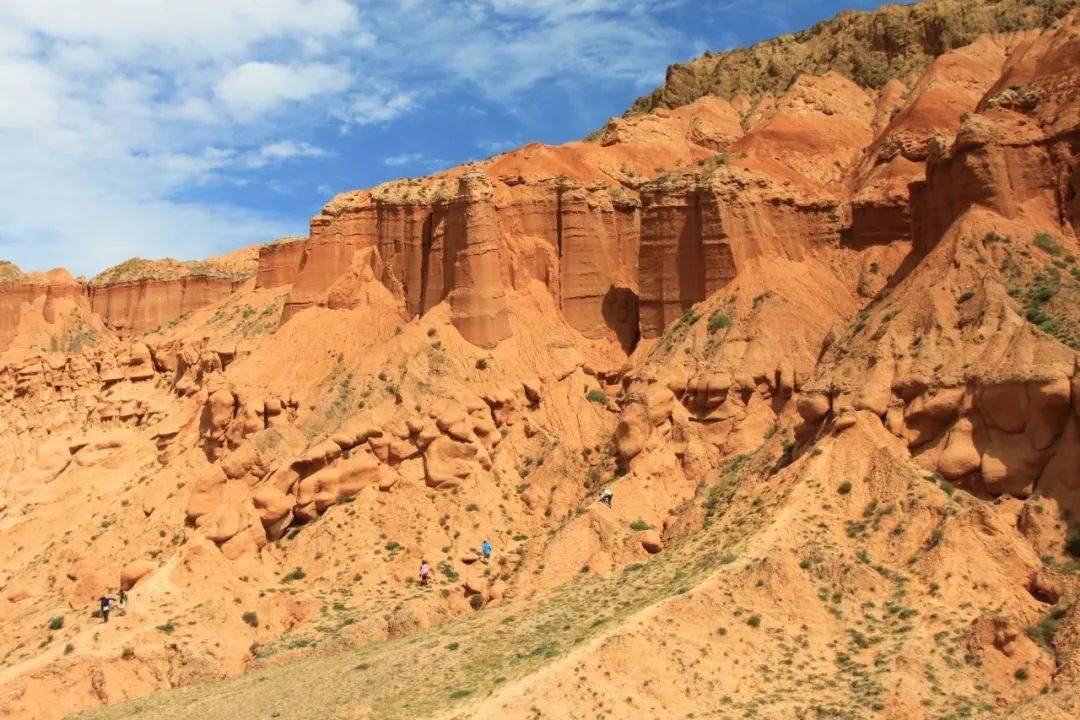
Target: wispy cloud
{"points": [[414, 160], [118, 110], [256, 88], [281, 151]]}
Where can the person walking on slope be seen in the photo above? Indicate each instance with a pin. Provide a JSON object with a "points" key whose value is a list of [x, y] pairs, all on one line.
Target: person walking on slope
{"points": [[106, 606], [485, 551], [606, 496], [425, 572]]}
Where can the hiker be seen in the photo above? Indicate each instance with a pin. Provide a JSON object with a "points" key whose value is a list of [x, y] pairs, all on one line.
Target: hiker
{"points": [[606, 496], [425, 572], [122, 604], [106, 606], [485, 550]]}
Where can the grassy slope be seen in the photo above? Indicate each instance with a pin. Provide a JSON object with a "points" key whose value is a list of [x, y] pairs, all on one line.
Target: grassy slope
{"points": [[895, 41], [464, 658]]}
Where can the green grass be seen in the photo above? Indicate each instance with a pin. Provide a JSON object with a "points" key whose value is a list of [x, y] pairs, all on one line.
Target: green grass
{"points": [[1045, 241], [718, 321], [596, 396]]}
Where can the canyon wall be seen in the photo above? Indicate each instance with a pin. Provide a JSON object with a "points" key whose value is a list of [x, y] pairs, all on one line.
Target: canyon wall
{"points": [[280, 262], [135, 306]]}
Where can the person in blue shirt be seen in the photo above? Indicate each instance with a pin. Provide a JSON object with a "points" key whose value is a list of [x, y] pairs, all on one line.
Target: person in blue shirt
{"points": [[485, 550]]}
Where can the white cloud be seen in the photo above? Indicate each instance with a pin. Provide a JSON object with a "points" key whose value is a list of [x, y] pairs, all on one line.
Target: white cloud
{"points": [[413, 159], [192, 30], [256, 88], [282, 150], [379, 106]]}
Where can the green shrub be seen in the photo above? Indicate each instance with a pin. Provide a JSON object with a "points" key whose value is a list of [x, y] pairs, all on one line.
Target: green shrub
{"points": [[476, 601], [1022, 674], [56, 623], [167, 628], [640, 524], [754, 621], [1046, 241], [297, 574], [1043, 294], [596, 396], [1043, 631], [1072, 541], [128, 653], [845, 488], [250, 618], [719, 320]]}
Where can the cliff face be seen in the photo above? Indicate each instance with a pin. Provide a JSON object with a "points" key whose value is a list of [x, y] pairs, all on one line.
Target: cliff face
{"points": [[280, 262], [135, 306], [49, 311], [129, 299]]}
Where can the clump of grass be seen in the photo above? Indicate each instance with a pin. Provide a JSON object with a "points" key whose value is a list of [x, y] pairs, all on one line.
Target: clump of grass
{"points": [[296, 574], [1045, 241], [754, 621], [718, 321], [167, 628], [56, 623], [250, 618], [640, 524], [596, 396], [1043, 630], [1072, 541], [844, 488]]}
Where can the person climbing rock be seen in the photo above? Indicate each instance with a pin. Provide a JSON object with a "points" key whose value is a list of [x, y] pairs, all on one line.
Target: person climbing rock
{"points": [[106, 606], [485, 551], [122, 603], [425, 572], [606, 496]]}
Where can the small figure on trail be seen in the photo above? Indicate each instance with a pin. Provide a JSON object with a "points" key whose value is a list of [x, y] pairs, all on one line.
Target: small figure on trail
{"points": [[122, 604], [606, 496], [106, 606], [485, 550], [425, 572]]}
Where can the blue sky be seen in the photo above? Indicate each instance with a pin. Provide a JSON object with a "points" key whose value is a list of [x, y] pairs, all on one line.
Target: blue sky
{"points": [[183, 129]]}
